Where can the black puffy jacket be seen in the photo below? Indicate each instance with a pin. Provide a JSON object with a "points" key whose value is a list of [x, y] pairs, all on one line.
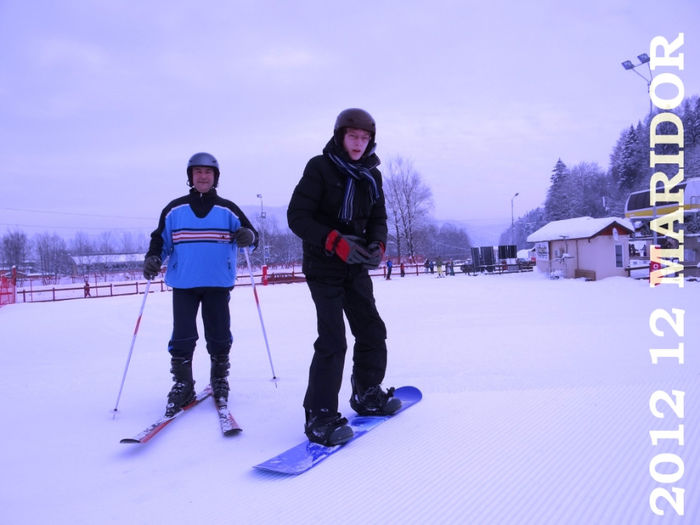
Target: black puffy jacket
{"points": [[316, 202]]}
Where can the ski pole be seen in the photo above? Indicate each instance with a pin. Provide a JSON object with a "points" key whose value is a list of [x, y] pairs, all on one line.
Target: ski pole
{"points": [[262, 324], [131, 348]]}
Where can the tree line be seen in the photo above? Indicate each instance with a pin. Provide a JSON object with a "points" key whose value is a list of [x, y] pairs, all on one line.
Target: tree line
{"points": [[586, 189], [413, 234], [50, 254]]}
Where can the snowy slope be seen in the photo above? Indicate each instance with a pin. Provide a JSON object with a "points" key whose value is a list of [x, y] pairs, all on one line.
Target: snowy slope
{"points": [[535, 410]]}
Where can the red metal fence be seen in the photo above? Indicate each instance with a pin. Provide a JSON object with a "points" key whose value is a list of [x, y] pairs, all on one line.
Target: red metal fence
{"points": [[117, 288], [7, 291], [58, 293]]}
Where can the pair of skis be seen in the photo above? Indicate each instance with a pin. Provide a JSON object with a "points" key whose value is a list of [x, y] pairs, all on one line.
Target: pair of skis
{"points": [[229, 426]]}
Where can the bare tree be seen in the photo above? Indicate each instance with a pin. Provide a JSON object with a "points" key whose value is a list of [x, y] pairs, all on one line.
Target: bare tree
{"points": [[83, 248], [409, 201], [106, 243], [81, 244], [15, 249], [53, 257], [131, 243]]}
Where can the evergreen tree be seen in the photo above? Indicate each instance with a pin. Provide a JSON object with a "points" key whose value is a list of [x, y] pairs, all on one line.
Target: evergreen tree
{"points": [[557, 204], [589, 190], [691, 129], [627, 170]]}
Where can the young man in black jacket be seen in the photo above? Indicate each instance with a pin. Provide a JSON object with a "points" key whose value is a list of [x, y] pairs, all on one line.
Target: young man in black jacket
{"points": [[338, 211]]}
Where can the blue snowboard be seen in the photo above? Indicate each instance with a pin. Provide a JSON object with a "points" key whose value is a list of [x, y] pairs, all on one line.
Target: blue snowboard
{"points": [[307, 455]]}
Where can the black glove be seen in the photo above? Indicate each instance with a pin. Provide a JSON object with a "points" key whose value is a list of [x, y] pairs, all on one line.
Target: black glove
{"points": [[243, 237], [151, 266], [349, 248], [376, 254]]}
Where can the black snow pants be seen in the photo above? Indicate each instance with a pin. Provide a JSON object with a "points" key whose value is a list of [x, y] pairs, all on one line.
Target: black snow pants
{"points": [[215, 317], [350, 293]]}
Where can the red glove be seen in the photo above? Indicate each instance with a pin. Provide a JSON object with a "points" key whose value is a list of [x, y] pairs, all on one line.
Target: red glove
{"points": [[348, 247]]}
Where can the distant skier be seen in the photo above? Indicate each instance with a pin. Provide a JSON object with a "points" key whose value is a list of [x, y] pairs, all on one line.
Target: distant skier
{"points": [[389, 266], [402, 267], [199, 234], [338, 210]]}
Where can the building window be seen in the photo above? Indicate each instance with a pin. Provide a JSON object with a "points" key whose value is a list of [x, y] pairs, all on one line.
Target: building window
{"points": [[618, 256]]}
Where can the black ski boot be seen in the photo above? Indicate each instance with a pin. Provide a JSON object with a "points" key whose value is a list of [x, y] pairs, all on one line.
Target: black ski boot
{"points": [[373, 401], [182, 392], [327, 428], [219, 378]]}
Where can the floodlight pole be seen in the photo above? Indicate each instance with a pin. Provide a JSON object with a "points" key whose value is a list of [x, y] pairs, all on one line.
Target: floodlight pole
{"points": [[262, 227], [512, 218], [629, 66], [643, 59]]}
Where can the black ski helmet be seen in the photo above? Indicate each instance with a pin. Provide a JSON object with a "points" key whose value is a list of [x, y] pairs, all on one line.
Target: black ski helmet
{"points": [[206, 160], [354, 118]]}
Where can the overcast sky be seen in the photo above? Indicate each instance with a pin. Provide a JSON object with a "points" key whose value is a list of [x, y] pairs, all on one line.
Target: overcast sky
{"points": [[102, 103]]}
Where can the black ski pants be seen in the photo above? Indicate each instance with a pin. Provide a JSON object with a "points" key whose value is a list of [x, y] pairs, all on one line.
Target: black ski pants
{"points": [[215, 317], [350, 293]]}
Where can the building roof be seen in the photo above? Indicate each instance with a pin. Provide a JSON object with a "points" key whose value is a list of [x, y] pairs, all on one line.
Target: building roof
{"points": [[579, 228], [110, 258]]}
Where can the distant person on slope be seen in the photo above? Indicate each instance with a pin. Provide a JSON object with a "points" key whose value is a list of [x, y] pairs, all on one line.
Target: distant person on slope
{"points": [[338, 210], [199, 234]]}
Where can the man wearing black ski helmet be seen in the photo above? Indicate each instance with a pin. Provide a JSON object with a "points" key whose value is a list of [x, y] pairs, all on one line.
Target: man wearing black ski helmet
{"points": [[203, 160], [199, 235]]}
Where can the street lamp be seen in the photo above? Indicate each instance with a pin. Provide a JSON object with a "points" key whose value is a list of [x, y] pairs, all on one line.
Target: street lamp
{"points": [[643, 59], [262, 226], [512, 219]]}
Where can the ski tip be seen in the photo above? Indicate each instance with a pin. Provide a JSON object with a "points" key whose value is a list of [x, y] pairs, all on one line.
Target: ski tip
{"points": [[129, 440], [233, 432]]}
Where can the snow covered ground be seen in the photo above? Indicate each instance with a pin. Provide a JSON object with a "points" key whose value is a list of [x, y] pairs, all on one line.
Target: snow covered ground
{"points": [[535, 410]]}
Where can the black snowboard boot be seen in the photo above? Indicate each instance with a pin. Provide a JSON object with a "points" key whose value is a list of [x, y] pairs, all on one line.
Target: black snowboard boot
{"points": [[182, 392], [219, 378], [327, 428], [373, 401]]}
